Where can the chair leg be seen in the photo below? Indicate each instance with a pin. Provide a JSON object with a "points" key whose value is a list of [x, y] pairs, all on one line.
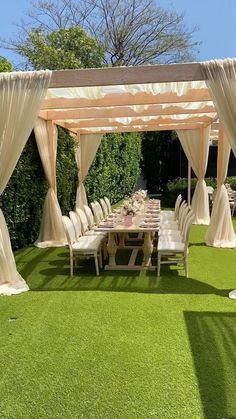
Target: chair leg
{"points": [[96, 264], [100, 258], [71, 265], [158, 263], [186, 265]]}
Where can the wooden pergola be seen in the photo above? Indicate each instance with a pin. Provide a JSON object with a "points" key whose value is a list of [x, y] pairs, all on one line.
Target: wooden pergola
{"points": [[126, 110]]}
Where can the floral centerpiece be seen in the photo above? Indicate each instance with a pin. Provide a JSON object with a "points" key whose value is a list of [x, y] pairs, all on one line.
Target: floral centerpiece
{"points": [[129, 208], [139, 196]]}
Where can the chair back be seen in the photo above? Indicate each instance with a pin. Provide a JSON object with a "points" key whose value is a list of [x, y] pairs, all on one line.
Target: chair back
{"points": [[83, 220], [177, 205], [76, 223], [69, 229], [183, 216], [108, 204], [104, 207], [98, 215], [89, 215], [187, 226], [183, 207], [99, 210]]}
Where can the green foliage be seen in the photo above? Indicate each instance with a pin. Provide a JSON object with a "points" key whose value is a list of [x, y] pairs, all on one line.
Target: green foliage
{"points": [[231, 181], [156, 151], [23, 199], [115, 168], [67, 172], [180, 186], [5, 65], [63, 49]]}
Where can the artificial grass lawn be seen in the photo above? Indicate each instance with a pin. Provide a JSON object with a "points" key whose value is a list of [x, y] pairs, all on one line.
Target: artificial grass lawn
{"points": [[123, 345]]}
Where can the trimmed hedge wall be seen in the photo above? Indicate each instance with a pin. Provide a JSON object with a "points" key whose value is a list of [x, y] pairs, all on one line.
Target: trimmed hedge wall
{"points": [[116, 167], [113, 173]]}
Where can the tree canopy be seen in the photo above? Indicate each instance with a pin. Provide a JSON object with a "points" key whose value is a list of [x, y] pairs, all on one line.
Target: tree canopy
{"points": [[5, 65], [131, 32], [61, 49]]}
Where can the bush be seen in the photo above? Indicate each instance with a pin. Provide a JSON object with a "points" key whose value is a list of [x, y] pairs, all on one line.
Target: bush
{"points": [[23, 198], [67, 172], [180, 186], [115, 168]]}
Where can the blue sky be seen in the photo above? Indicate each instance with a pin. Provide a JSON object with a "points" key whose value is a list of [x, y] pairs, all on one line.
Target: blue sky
{"points": [[216, 20]]}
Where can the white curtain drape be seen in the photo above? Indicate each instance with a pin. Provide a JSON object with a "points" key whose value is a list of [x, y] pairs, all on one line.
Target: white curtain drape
{"points": [[220, 232], [52, 232], [220, 76], [86, 150], [195, 144], [20, 101]]}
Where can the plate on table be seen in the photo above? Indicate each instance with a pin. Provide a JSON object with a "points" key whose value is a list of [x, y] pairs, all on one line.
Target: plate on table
{"points": [[148, 224], [106, 225]]}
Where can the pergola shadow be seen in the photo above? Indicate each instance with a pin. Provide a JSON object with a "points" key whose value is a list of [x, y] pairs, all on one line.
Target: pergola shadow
{"points": [[55, 277], [212, 337]]}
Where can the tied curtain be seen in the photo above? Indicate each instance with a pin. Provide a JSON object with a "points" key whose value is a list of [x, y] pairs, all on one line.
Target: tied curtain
{"points": [[52, 232], [196, 147], [220, 232], [220, 76], [85, 153], [21, 95]]}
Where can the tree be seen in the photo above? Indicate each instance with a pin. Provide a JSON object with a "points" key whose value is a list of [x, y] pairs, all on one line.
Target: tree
{"points": [[132, 32], [5, 65], [61, 49]]}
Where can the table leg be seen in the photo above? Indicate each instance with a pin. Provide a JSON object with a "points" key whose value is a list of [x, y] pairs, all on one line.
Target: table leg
{"points": [[122, 239], [112, 248], [147, 249]]}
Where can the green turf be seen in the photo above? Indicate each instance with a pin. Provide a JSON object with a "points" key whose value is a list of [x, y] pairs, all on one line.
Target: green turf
{"points": [[124, 345]]}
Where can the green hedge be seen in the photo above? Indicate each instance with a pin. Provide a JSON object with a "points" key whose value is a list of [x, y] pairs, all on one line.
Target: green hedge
{"points": [[115, 168], [180, 186], [113, 173]]}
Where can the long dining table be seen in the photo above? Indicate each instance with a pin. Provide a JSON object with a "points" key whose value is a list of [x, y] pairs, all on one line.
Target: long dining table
{"points": [[145, 224]]}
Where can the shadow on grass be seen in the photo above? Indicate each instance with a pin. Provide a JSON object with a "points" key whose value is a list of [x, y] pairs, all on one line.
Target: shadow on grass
{"points": [[48, 270], [212, 337], [56, 277]]}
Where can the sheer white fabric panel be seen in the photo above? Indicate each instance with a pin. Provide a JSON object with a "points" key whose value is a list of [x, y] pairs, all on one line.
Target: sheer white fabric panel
{"points": [[196, 147], [85, 154], [52, 232], [221, 81], [20, 101], [220, 232]]}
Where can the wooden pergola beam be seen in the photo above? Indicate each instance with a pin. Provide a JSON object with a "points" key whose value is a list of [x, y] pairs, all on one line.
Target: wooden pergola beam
{"points": [[121, 111], [126, 75], [124, 99], [142, 128], [135, 122]]}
